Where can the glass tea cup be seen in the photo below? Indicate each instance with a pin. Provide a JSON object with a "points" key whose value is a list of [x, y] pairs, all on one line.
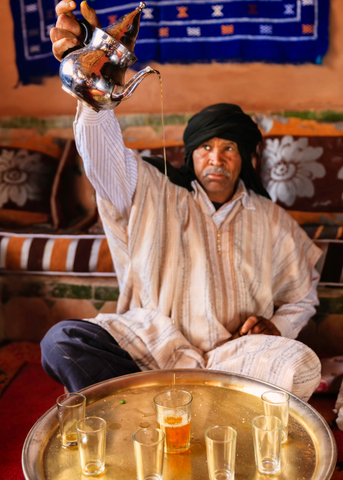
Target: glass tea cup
{"points": [[71, 408], [276, 403], [91, 436], [221, 452], [148, 446], [173, 409], [267, 435]]}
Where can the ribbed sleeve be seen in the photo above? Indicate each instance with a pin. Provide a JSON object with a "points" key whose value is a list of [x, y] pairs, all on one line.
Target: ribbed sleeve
{"points": [[292, 317], [109, 165]]}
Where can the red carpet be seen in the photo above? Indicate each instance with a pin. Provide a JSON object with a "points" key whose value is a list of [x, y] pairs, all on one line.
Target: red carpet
{"points": [[24, 401], [13, 357], [28, 392]]}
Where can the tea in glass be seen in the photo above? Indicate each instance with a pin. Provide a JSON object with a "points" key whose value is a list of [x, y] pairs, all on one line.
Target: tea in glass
{"points": [[173, 409]]}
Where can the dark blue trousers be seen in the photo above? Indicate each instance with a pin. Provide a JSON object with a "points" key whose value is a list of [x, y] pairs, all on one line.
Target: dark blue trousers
{"points": [[77, 354]]}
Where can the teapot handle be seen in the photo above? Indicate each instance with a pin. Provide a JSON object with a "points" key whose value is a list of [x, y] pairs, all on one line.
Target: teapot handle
{"points": [[87, 30]]}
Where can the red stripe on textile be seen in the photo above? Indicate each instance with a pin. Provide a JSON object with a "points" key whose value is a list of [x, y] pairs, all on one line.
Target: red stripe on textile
{"points": [[36, 253], [82, 255]]}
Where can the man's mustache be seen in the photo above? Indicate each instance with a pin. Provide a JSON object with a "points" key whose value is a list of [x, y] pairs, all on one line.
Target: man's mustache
{"points": [[217, 170]]}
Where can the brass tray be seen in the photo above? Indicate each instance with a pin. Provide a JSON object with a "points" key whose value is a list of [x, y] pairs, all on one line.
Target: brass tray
{"points": [[219, 399]]}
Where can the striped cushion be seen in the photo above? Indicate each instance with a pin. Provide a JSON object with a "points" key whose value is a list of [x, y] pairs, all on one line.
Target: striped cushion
{"points": [[89, 255], [54, 254]]}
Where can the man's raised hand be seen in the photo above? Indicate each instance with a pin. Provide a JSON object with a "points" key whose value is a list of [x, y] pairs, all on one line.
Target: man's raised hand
{"points": [[67, 33]]}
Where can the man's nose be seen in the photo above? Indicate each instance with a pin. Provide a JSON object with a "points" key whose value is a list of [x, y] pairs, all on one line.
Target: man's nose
{"points": [[216, 157]]}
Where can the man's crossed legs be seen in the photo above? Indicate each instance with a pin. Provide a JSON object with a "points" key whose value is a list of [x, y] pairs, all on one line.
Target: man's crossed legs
{"points": [[77, 354]]}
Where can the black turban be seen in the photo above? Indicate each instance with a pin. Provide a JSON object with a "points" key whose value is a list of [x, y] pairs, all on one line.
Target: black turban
{"points": [[226, 121], [229, 122]]}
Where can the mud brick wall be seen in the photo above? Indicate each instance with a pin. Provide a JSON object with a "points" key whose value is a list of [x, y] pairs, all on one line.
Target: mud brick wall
{"points": [[31, 304]]}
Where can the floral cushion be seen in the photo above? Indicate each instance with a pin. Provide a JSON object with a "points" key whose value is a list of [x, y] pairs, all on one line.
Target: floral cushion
{"points": [[28, 165], [42, 184], [302, 170], [26, 179], [304, 173]]}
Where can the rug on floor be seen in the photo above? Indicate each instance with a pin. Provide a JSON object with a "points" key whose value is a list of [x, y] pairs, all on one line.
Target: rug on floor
{"points": [[27, 393], [12, 359]]}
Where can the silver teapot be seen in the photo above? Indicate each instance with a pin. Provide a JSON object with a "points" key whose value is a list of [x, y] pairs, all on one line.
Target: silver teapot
{"points": [[95, 73]]}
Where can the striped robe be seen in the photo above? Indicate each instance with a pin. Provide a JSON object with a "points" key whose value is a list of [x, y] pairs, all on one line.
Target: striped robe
{"points": [[188, 279]]}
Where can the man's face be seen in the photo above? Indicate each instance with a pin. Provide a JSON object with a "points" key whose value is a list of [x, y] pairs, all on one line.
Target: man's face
{"points": [[217, 165]]}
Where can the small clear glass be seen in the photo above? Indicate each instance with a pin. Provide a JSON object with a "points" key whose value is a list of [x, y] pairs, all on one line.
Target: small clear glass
{"points": [[221, 452], [148, 446], [71, 408], [267, 435], [276, 403], [173, 409], [91, 436]]}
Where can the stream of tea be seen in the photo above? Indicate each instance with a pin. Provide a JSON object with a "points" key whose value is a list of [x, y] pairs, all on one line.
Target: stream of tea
{"points": [[167, 200], [163, 134]]}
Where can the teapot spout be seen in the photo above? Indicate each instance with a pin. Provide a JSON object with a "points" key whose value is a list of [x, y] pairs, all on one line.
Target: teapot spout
{"points": [[132, 84]]}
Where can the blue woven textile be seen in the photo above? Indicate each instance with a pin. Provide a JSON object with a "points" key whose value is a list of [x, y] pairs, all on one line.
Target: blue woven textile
{"points": [[279, 31]]}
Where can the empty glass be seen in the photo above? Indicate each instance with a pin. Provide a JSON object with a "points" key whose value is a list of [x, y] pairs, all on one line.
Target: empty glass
{"points": [[221, 452], [267, 434], [71, 408], [277, 404], [148, 445], [91, 436]]}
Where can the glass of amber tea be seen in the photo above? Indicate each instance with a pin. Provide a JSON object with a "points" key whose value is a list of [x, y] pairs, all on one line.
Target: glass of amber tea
{"points": [[173, 409]]}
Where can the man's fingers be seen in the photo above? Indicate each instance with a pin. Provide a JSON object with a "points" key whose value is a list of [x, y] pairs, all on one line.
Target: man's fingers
{"points": [[63, 45], [89, 14], [67, 23], [260, 328], [63, 36], [248, 324], [265, 327], [65, 7], [58, 34]]}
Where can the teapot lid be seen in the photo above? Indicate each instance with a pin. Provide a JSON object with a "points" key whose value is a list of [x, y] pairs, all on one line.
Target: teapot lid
{"points": [[126, 28]]}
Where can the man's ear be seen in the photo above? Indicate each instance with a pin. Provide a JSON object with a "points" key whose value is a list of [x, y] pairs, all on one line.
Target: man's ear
{"points": [[254, 160], [259, 148], [255, 156]]}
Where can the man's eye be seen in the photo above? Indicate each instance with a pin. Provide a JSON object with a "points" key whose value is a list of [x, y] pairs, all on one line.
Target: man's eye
{"points": [[206, 147]]}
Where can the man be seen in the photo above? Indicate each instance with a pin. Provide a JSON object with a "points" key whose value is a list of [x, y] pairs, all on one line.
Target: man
{"points": [[203, 258]]}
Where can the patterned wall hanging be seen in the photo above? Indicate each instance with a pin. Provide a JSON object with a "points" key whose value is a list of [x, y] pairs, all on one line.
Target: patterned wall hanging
{"points": [[278, 31]]}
